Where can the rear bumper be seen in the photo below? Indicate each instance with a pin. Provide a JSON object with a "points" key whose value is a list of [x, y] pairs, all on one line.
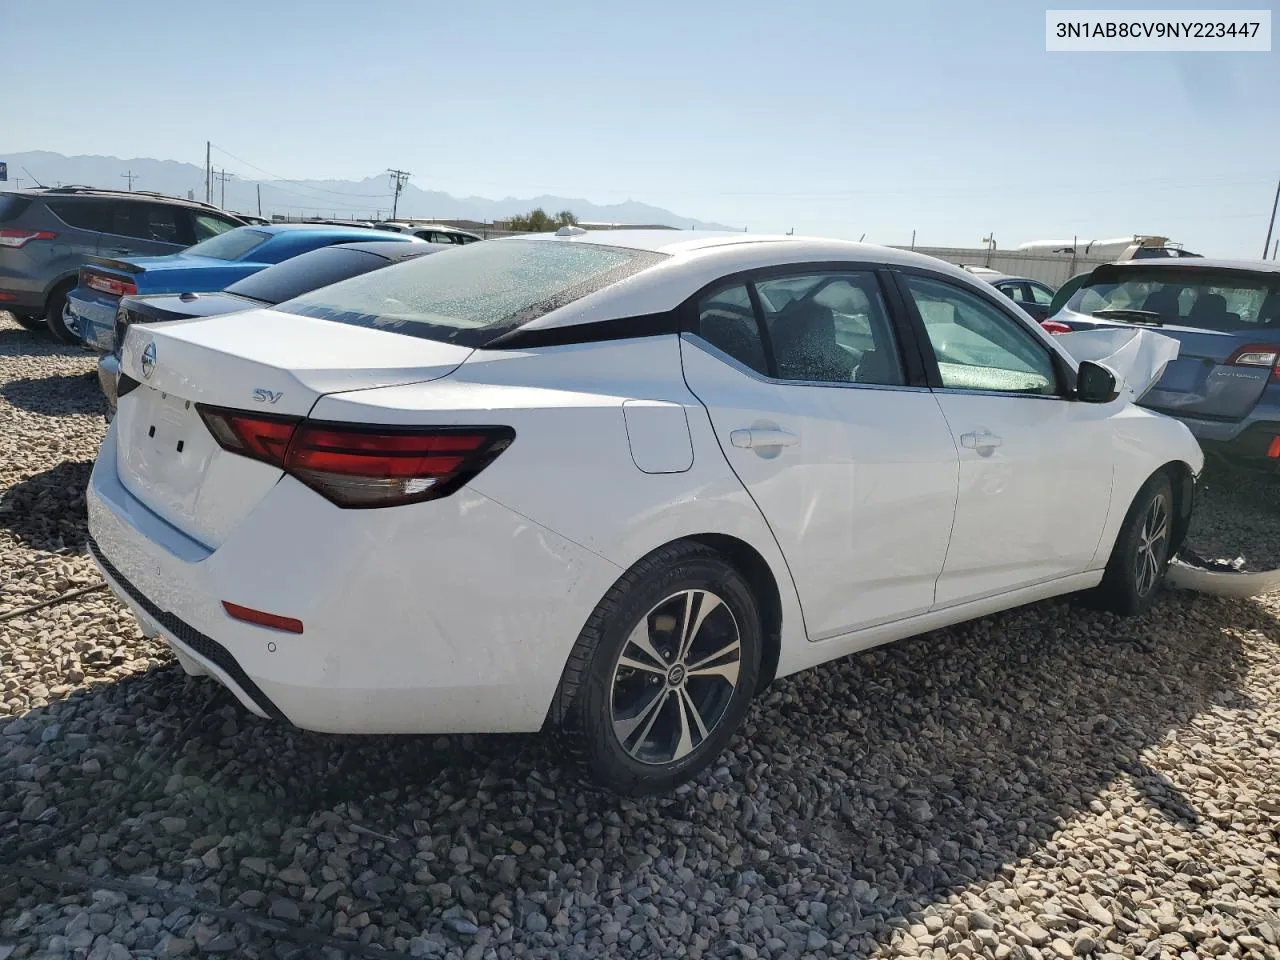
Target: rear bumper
{"points": [[443, 617], [1249, 439], [95, 319]]}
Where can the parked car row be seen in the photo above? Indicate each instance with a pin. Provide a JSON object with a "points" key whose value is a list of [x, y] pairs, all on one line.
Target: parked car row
{"points": [[46, 235]]}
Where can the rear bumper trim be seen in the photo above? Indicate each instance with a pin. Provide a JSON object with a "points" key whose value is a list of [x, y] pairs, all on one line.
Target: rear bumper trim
{"points": [[210, 649]]}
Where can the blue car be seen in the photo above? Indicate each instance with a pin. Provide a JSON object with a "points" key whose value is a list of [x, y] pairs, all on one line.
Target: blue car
{"points": [[209, 265], [1225, 383]]}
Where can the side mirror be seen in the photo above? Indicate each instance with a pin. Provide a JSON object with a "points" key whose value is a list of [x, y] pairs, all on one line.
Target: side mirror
{"points": [[1095, 383]]}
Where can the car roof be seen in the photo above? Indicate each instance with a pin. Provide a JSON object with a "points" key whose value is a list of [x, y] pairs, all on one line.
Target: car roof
{"points": [[392, 250], [74, 190], [1194, 263], [275, 229], [694, 259]]}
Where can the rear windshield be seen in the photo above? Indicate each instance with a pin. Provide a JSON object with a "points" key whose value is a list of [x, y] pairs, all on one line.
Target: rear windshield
{"points": [[232, 245], [1203, 299], [300, 274], [475, 293]]}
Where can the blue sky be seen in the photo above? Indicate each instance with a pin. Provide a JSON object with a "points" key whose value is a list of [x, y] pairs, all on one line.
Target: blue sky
{"points": [[835, 118]]}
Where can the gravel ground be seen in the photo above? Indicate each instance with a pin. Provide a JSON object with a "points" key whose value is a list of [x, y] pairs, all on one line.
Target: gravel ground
{"points": [[1051, 782]]}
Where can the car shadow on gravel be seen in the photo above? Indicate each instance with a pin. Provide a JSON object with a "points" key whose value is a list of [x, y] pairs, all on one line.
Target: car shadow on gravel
{"points": [[58, 395], [880, 784], [16, 340], [47, 511]]}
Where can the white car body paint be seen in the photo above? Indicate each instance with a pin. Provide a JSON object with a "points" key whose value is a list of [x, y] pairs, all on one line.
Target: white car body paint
{"points": [[458, 614]]}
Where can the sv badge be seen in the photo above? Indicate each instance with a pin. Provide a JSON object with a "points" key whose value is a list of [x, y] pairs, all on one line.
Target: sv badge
{"points": [[263, 395]]}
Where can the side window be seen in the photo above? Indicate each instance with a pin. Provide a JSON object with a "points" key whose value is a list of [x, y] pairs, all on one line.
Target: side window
{"points": [[726, 321], [82, 214], [1041, 295], [977, 346], [120, 220], [831, 328], [160, 223], [206, 226]]}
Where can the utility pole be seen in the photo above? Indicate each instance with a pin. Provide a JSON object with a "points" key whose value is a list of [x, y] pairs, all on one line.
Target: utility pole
{"points": [[259, 199], [208, 174], [223, 176], [398, 179], [130, 176], [1272, 222]]}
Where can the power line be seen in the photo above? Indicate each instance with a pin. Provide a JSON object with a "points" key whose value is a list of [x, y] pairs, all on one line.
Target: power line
{"points": [[130, 176], [398, 179], [299, 183]]}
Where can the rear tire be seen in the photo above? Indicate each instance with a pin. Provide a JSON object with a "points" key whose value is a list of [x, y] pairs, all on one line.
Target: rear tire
{"points": [[1142, 551], [56, 313], [664, 670], [36, 324]]}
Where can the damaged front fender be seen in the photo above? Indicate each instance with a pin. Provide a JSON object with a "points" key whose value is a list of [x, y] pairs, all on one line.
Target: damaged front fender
{"points": [[1136, 357]]}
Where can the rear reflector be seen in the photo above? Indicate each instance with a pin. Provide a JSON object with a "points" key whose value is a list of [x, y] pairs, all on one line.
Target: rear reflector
{"points": [[1274, 450], [361, 466], [6, 297], [108, 284], [261, 619], [10, 237]]}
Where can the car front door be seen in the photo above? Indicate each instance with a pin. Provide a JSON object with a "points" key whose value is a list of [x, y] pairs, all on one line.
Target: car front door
{"points": [[1035, 466], [828, 423]]}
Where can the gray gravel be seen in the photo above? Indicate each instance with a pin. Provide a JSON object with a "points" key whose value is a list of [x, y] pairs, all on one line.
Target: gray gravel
{"points": [[1051, 782]]}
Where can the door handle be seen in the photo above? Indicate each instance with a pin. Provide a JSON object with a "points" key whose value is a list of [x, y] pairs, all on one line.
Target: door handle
{"points": [[756, 438], [980, 440]]}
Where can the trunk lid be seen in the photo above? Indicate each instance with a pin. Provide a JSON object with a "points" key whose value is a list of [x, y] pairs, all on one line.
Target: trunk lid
{"points": [[1201, 382], [259, 361]]}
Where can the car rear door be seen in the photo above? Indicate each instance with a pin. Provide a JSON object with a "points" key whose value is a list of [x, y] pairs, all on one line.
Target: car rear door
{"points": [[142, 229], [826, 420], [1035, 467]]}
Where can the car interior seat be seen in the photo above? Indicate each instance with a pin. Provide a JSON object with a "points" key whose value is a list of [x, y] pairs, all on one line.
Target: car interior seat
{"points": [[1210, 311], [804, 344]]}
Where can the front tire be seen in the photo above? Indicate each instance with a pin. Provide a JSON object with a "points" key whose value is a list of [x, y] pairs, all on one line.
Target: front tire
{"points": [[1142, 551], [665, 669], [57, 314]]}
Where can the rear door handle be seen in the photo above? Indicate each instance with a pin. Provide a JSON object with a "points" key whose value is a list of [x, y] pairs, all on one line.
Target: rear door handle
{"points": [[980, 440], [756, 438]]}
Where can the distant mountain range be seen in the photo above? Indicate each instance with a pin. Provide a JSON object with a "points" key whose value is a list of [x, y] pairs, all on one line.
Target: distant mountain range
{"points": [[329, 198]]}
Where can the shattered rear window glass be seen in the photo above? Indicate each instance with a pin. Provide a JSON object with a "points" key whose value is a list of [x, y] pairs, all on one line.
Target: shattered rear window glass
{"points": [[476, 293]]}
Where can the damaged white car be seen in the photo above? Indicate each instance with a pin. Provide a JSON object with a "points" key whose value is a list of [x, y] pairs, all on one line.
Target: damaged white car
{"points": [[617, 482]]}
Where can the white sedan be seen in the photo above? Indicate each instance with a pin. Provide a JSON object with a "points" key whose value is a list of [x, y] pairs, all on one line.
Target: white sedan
{"points": [[613, 483]]}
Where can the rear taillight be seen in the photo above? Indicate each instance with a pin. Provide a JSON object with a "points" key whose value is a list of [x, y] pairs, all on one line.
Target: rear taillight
{"points": [[10, 237], [255, 436], [362, 466], [1054, 327], [1258, 355], [104, 283]]}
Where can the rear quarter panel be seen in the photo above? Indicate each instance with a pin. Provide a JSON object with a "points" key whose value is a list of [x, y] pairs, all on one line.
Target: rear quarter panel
{"points": [[571, 467]]}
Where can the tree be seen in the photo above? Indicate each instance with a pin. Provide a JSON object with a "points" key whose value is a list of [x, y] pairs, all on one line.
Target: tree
{"points": [[537, 221]]}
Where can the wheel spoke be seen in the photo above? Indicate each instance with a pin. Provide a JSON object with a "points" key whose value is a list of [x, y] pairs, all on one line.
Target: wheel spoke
{"points": [[684, 746], [647, 714], [634, 664], [640, 638], [692, 707], [712, 667], [694, 616]]}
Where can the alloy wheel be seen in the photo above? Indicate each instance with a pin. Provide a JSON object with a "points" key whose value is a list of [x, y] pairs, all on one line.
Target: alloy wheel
{"points": [[1153, 544], [675, 677]]}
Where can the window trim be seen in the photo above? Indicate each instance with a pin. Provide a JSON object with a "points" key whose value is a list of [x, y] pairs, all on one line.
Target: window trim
{"points": [[914, 367], [1065, 387]]}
